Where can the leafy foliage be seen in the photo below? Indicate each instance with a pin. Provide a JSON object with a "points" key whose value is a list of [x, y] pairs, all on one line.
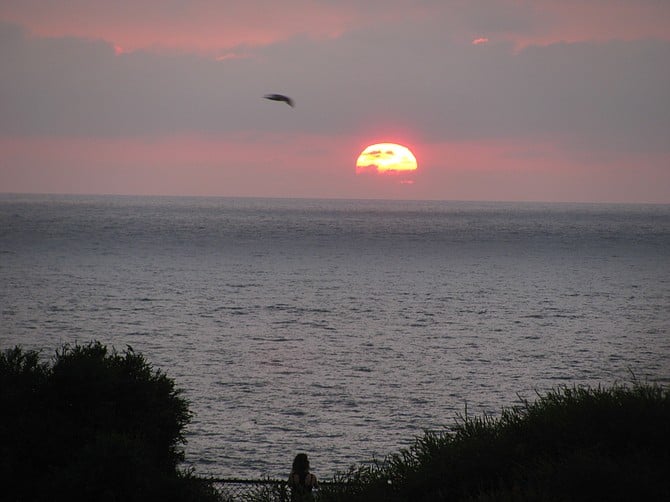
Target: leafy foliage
{"points": [[93, 425], [571, 444]]}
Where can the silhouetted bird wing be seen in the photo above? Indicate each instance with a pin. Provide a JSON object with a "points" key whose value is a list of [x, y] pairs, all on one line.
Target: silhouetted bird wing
{"points": [[280, 97]]}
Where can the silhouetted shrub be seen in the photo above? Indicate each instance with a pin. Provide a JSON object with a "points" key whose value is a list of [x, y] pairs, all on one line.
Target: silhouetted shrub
{"points": [[93, 425], [571, 444]]}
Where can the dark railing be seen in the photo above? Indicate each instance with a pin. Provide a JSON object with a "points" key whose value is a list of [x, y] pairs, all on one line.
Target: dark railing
{"points": [[252, 490], [257, 490]]}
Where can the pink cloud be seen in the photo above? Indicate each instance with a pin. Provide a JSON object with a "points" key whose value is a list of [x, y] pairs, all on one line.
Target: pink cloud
{"points": [[538, 171], [274, 165], [238, 164], [598, 20], [204, 25], [479, 41], [200, 25]]}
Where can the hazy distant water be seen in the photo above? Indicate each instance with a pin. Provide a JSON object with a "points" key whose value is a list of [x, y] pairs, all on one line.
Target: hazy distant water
{"points": [[340, 328]]}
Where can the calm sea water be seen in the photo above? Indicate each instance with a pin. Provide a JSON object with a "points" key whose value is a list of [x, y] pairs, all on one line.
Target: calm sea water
{"points": [[340, 328]]}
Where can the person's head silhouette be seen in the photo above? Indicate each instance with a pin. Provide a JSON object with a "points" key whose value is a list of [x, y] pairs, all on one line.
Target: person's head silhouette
{"points": [[301, 463]]}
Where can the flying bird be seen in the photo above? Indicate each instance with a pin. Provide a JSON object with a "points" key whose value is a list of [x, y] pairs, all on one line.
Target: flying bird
{"points": [[280, 97]]}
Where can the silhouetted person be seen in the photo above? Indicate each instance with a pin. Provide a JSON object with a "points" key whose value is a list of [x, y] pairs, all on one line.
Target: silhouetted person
{"points": [[301, 481]]}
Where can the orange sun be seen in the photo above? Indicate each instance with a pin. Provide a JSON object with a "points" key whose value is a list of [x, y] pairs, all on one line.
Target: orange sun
{"points": [[386, 158]]}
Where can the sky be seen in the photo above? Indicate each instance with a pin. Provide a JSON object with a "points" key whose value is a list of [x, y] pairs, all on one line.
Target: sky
{"points": [[504, 100]]}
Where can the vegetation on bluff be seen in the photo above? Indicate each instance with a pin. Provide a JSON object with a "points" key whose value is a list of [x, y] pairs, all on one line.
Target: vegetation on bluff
{"points": [[571, 444], [92, 425]]}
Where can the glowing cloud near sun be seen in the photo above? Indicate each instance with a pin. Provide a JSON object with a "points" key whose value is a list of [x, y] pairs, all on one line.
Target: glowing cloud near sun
{"points": [[386, 158]]}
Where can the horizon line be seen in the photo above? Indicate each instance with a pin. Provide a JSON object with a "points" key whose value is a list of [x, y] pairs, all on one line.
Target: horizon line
{"points": [[332, 198]]}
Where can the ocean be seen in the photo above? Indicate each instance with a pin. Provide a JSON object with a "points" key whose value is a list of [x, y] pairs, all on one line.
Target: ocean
{"points": [[340, 328]]}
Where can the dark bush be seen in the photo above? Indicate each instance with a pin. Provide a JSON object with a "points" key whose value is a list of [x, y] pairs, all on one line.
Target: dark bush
{"points": [[572, 444], [93, 425]]}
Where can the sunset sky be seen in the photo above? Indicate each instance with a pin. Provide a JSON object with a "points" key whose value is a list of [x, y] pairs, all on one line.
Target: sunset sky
{"points": [[542, 100]]}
